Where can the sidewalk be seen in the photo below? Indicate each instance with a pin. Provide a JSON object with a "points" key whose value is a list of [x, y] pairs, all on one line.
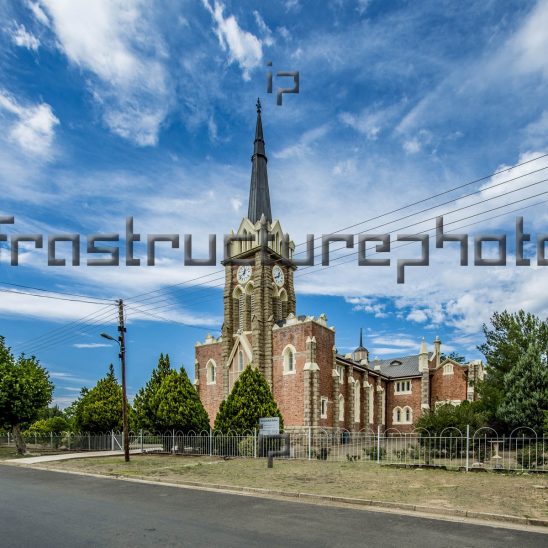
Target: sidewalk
{"points": [[68, 456]]}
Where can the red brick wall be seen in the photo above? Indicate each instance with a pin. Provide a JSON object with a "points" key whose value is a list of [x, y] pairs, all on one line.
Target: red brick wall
{"points": [[448, 387], [289, 389], [210, 394], [412, 400]]}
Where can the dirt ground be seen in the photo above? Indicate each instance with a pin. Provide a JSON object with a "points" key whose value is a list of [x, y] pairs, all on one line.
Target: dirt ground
{"points": [[514, 494]]}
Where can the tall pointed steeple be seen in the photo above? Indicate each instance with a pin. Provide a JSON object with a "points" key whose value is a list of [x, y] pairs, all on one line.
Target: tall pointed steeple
{"points": [[259, 196]]}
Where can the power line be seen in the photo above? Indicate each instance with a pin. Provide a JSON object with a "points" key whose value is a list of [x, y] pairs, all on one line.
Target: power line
{"points": [[48, 296], [56, 292]]}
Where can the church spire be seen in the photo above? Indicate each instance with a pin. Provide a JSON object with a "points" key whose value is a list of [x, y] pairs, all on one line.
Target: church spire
{"points": [[259, 196]]}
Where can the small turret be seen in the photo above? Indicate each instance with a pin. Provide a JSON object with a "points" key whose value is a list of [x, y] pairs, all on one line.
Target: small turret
{"points": [[361, 354]]}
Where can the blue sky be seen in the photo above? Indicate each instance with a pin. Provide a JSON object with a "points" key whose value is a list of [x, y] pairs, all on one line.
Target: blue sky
{"points": [[117, 108]]}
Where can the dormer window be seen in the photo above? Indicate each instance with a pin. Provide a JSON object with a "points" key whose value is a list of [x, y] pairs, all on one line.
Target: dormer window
{"points": [[395, 362], [448, 369]]}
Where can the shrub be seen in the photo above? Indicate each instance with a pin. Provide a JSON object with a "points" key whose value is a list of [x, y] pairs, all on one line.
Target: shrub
{"points": [[373, 451], [246, 447], [532, 456]]}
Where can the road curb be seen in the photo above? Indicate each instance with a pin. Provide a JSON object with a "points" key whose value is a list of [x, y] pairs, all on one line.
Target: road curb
{"points": [[415, 509]]}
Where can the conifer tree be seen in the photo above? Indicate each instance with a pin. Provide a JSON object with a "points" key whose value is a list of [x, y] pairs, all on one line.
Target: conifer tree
{"points": [[177, 404], [249, 400], [100, 409], [145, 403], [525, 397]]}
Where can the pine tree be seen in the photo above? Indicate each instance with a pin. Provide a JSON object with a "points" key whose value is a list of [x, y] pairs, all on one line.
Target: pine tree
{"points": [[526, 392], [178, 406], [249, 400], [145, 403], [100, 409]]}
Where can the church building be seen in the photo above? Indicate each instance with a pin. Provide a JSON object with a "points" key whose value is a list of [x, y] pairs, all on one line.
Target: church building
{"points": [[312, 383]]}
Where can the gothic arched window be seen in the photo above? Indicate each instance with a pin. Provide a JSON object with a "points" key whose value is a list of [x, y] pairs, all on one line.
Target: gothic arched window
{"points": [[211, 372], [240, 361], [237, 307], [283, 303], [408, 414], [341, 407], [289, 359], [357, 402]]}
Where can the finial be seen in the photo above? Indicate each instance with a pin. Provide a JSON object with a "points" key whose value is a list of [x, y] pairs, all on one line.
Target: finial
{"points": [[361, 338], [258, 106]]}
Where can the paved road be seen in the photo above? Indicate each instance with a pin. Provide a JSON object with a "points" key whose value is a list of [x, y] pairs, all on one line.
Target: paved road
{"points": [[41, 508]]}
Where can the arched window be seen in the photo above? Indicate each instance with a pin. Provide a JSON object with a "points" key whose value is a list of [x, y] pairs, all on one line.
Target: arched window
{"points": [[396, 416], [238, 303], [371, 402], [240, 361], [341, 407], [357, 402], [211, 372], [283, 302], [245, 244], [448, 369], [408, 414], [289, 359], [249, 300]]}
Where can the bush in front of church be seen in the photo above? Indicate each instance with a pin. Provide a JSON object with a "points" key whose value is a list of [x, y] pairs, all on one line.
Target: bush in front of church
{"points": [[250, 399]]}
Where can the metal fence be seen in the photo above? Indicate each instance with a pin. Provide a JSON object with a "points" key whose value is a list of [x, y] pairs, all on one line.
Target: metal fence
{"points": [[451, 449]]}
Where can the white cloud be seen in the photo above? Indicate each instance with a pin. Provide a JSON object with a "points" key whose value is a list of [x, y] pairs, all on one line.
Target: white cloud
{"points": [[32, 127], [412, 146], [24, 39], [530, 43], [130, 83], [38, 13], [243, 47], [264, 28], [417, 315], [303, 146], [236, 204]]}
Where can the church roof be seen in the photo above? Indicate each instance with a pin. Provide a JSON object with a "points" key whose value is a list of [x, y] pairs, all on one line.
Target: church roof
{"points": [[259, 196]]}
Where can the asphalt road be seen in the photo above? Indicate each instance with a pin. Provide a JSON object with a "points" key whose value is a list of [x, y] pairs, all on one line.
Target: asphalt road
{"points": [[41, 508]]}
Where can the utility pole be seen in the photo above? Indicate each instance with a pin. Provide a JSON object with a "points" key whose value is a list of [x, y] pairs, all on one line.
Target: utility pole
{"points": [[122, 341]]}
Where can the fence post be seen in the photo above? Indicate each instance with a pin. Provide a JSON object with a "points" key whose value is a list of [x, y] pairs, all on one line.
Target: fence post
{"points": [[35, 439], [68, 442], [142, 441], [51, 439], [173, 441], [210, 442], [309, 443], [89, 441], [467, 447], [254, 443], [378, 444], [112, 440]]}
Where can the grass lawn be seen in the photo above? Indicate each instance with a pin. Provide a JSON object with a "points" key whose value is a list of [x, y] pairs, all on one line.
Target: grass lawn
{"points": [[520, 495]]}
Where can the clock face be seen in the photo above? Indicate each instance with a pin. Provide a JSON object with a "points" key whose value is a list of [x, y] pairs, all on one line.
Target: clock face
{"points": [[244, 273], [278, 276]]}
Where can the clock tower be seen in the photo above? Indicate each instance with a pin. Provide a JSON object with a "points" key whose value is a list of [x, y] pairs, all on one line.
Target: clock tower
{"points": [[259, 291]]}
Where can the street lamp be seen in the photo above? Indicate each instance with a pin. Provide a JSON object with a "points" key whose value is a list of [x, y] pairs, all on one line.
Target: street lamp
{"points": [[122, 357]]}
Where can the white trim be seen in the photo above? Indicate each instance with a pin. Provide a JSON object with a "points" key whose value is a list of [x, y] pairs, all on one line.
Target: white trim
{"points": [[285, 353], [211, 366], [322, 400]]}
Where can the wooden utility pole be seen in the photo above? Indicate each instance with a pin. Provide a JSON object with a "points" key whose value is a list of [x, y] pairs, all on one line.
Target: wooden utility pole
{"points": [[122, 341]]}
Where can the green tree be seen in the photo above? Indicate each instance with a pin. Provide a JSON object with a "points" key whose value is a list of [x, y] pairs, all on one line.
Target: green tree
{"points": [[177, 404], [506, 341], [525, 397], [455, 356], [146, 403], [453, 416], [25, 389], [55, 425], [100, 409], [249, 400]]}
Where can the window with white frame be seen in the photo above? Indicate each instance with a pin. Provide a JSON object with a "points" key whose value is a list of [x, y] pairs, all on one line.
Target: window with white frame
{"points": [[448, 369], [341, 407], [289, 360], [211, 372], [402, 416], [371, 403], [240, 361], [357, 402], [402, 387], [340, 371], [323, 407]]}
